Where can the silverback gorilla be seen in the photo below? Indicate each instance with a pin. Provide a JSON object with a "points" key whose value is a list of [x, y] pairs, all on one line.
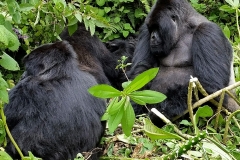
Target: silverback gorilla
{"points": [[182, 42], [50, 112]]}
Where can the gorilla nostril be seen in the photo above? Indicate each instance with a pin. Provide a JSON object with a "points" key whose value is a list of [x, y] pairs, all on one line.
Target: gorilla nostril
{"points": [[153, 37]]}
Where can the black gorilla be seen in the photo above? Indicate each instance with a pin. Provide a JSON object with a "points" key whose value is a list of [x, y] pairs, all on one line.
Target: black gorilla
{"points": [[119, 48], [50, 112], [182, 42]]}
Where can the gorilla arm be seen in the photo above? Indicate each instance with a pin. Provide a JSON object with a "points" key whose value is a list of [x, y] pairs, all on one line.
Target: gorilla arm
{"points": [[212, 59]]}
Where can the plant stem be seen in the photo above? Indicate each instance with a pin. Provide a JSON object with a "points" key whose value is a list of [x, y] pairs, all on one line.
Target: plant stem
{"points": [[227, 125], [8, 131], [238, 28]]}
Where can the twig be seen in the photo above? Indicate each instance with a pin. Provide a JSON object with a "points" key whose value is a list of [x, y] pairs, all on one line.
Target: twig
{"points": [[167, 121]]}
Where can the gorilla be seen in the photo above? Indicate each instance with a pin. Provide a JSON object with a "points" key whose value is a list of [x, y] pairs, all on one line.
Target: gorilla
{"points": [[181, 42], [50, 111], [119, 48]]}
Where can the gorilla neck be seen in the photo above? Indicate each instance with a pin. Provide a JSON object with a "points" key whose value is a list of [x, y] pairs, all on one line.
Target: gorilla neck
{"points": [[180, 55]]}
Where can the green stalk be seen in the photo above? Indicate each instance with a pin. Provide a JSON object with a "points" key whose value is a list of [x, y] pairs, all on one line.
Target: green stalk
{"points": [[227, 125], [9, 133]]}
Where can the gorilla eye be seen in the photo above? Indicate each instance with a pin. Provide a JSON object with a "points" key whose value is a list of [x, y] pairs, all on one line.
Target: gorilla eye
{"points": [[169, 8], [174, 17]]}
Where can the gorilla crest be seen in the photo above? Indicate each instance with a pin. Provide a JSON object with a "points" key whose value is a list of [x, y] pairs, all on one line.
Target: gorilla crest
{"points": [[182, 42]]}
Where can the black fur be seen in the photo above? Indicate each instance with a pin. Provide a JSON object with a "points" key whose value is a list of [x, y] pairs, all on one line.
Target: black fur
{"points": [[119, 48], [181, 42], [50, 112]]}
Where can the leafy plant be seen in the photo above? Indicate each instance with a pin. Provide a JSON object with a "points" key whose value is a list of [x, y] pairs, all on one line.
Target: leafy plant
{"points": [[120, 109]]}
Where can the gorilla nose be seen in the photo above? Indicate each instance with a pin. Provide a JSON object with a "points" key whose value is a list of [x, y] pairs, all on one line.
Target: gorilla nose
{"points": [[155, 39]]}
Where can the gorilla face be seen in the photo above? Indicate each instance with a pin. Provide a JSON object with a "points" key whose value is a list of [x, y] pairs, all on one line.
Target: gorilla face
{"points": [[165, 26]]}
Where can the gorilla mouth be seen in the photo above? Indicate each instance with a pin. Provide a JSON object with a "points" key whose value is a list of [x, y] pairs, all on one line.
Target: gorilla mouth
{"points": [[156, 50]]}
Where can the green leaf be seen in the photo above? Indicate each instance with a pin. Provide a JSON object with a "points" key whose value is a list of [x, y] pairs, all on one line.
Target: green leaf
{"points": [[234, 3], [7, 38], [72, 29], [114, 120], [226, 31], [100, 2], [148, 96], [155, 133], [128, 118], [116, 19], [186, 123], [8, 62], [4, 156], [125, 84], [138, 101], [141, 80], [4, 95], [72, 20], [104, 91], [127, 26], [107, 9], [203, 112], [216, 150], [26, 7], [105, 117], [115, 105], [125, 33], [78, 16], [227, 8], [92, 27]]}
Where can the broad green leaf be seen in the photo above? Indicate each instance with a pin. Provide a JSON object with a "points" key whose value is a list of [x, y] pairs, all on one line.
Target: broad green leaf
{"points": [[78, 16], [216, 150], [128, 118], [125, 84], [186, 123], [4, 95], [154, 132], [104, 91], [236, 3], [138, 101], [72, 29], [8, 62], [203, 112], [141, 80], [25, 7], [116, 20], [226, 31], [233, 3], [125, 33], [148, 96], [100, 2], [92, 27], [105, 117], [8, 39], [4, 156], [236, 154], [107, 9], [113, 108], [114, 120], [72, 20], [227, 8]]}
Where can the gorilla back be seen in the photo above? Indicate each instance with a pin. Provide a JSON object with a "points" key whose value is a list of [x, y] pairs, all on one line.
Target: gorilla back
{"points": [[50, 111], [182, 42]]}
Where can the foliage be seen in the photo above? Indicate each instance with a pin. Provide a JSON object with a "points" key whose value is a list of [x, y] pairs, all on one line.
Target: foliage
{"points": [[36, 22], [120, 109]]}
